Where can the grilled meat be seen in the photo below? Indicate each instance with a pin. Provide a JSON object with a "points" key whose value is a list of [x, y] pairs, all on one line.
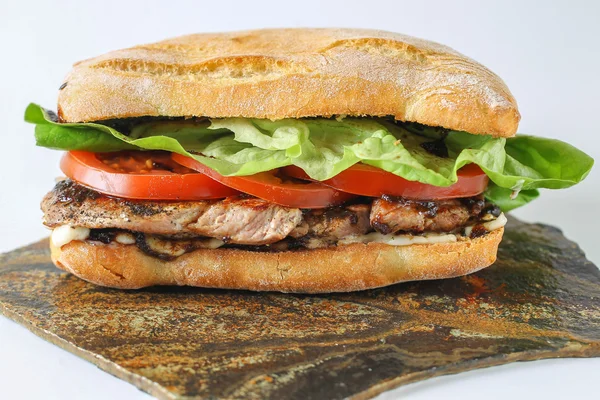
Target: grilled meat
{"points": [[239, 220], [390, 215], [326, 226], [247, 221], [250, 221], [73, 204]]}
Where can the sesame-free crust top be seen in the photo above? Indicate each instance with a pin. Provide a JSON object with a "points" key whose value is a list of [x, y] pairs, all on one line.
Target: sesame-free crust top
{"points": [[292, 73]]}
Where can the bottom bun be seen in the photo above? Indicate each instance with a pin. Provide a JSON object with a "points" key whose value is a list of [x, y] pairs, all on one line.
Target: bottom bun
{"points": [[337, 269]]}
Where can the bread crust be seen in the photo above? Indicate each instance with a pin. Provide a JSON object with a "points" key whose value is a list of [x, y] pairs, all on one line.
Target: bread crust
{"points": [[337, 269], [292, 73]]}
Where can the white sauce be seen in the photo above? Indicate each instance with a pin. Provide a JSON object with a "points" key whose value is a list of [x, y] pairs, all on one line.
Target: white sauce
{"points": [[427, 238], [490, 225], [213, 243], [65, 234], [125, 238], [400, 240]]}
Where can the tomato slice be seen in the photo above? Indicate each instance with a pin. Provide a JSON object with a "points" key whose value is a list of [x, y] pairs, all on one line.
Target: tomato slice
{"points": [[367, 180], [149, 175], [274, 187]]}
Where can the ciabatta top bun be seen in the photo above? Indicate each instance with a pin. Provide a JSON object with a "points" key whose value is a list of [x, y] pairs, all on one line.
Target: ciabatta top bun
{"points": [[292, 73]]}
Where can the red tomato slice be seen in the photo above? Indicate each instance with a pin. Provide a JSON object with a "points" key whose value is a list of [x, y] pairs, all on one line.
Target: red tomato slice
{"points": [[149, 175], [273, 187], [366, 180]]}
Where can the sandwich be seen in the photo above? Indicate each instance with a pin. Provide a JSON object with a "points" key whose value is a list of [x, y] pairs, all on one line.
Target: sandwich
{"points": [[291, 160]]}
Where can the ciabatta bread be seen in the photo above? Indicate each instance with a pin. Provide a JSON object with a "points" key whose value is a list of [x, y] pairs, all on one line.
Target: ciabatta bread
{"points": [[292, 73], [336, 269]]}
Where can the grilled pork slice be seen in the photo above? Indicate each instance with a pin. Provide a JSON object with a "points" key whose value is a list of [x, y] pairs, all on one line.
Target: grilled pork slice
{"points": [[246, 221], [325, 227], [238, 220], [390, 215], [72, 204]]}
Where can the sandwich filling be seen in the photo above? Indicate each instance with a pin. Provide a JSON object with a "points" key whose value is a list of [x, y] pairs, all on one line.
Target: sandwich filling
{"points": [[174, 185], [170, 229]]}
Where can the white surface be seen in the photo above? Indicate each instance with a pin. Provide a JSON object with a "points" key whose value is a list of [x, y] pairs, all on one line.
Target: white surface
{"points": [[547, 53]]}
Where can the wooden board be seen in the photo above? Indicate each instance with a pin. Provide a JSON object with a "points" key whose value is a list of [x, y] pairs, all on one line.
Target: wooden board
{"points": [[540, 300]]}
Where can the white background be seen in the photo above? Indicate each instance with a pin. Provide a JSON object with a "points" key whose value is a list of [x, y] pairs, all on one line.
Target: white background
{"points": [[547, 52]]}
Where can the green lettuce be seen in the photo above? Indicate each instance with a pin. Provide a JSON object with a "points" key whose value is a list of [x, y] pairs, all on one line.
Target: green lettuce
{"points": [[517, 166]]}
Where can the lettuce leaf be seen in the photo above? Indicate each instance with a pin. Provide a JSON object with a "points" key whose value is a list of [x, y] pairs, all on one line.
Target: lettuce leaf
{"points": [[517, 166]]}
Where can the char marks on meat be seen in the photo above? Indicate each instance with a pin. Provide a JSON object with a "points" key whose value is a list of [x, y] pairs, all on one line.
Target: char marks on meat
{"points": [[324, 227], [239, 220], [72, 204], [169, 249], [390, 215]]}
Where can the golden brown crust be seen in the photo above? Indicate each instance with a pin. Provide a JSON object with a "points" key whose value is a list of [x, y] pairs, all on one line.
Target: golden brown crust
{"points": [[338, 269], [292, 73]]}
